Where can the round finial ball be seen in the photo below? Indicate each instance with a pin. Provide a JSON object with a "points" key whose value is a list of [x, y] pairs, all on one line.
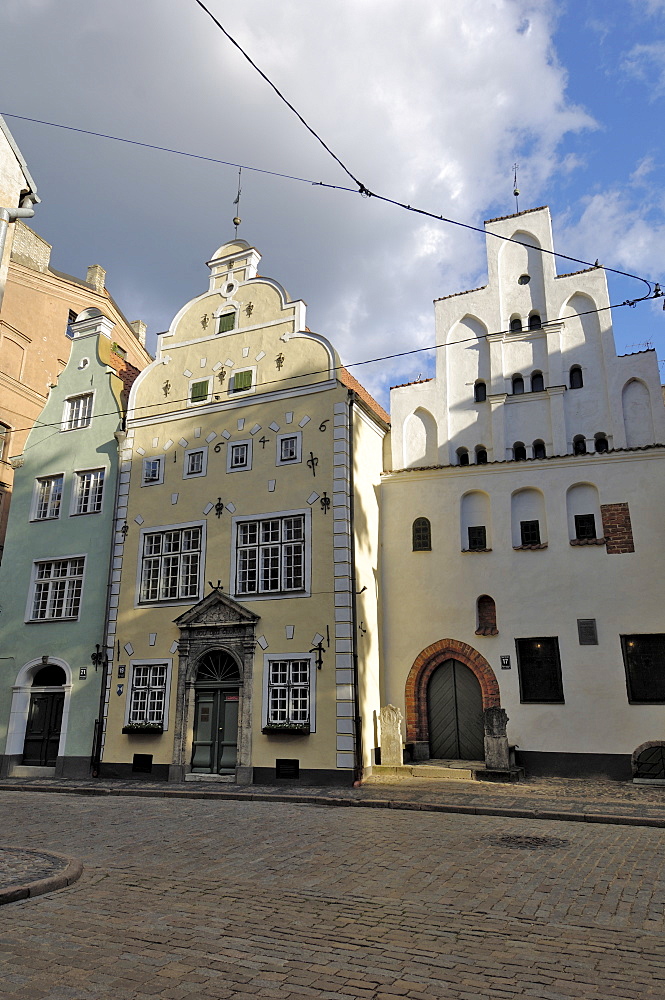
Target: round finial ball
{"points": [[516, 192], [237, 221]]}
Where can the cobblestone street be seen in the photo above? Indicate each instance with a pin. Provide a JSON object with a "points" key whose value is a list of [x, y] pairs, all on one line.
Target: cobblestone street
{"points": [[224, 899]]}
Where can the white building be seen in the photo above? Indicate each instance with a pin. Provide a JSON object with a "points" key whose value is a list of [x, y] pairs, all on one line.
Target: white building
{"points": [[519, 473]]}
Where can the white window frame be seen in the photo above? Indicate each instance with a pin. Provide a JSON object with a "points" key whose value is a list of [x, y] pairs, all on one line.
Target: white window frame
{"points": [[160, 478], [34, 514], [34, 583], [218, 322], [195, 381], [170, 601], [164, 661], [265, 707], [273, 595], [298, 455], [67, 412], [231, 383], [76, 491], [248, 442], [204, 463]]}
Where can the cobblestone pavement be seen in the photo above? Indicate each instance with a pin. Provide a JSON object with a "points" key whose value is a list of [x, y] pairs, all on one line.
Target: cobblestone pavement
{"points": [[204, 898], [18, 866]]}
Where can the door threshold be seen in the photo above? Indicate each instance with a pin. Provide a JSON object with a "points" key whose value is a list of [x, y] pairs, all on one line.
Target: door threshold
{"points": [[211, 777], [30, 771]]}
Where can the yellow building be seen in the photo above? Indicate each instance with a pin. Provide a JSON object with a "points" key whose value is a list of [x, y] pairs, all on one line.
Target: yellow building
{"points": [[243, 620]]}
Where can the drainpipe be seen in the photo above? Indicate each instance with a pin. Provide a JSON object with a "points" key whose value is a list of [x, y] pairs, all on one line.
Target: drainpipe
{"points": [[358, 742], [8, 215]]}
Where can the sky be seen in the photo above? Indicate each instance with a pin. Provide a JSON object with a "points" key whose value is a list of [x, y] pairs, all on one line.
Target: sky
{"points": [[429, 102]]}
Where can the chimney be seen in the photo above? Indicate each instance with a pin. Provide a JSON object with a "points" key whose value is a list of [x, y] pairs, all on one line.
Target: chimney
{"points": [[139, 328], [95, 277]]}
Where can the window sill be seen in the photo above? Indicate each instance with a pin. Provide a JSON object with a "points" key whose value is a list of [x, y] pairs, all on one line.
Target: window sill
{"points": [[540, 545], [40, 520], [587, 541], [40, 621], [476, 550], [290, 728], [487, 630], [149, 729]]}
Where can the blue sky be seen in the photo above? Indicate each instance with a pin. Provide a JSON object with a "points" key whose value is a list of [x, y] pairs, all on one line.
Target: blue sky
{"points": [[430, 102]]}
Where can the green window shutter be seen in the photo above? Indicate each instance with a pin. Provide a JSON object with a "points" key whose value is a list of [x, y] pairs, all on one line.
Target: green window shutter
{"points": [[242, 380], [226, 322], [198, 392]]}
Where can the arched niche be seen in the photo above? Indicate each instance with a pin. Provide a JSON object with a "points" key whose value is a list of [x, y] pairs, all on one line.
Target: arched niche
{"points": [[528, 523], [637, 415], [475, 521], [521, 277], [580, 338], [420, 439], [467, 356], [583, 505]]}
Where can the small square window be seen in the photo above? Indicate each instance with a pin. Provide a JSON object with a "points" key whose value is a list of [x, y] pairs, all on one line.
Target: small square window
{"points": [[48, 497], [241, 381], [477, 537], [239, 456], [585, 526], [196, 463], [289, 448], [199, 391], [153, 471], [78, 412], [226, 322], [530, 532], [88, 492]]}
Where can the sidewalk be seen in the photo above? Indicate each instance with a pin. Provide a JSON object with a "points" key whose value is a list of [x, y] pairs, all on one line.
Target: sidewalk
{"points": [[577, 800]]}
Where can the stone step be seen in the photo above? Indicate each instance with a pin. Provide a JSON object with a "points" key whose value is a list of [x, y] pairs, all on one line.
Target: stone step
{"points": [[27, 771]]}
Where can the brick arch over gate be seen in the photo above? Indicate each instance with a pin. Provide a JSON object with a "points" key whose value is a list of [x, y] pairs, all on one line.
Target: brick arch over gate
{"points": [[417, 726]]}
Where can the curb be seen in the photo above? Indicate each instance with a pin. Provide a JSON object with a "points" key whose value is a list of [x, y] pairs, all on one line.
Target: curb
{"points": [[59, 880], [295, 798]]}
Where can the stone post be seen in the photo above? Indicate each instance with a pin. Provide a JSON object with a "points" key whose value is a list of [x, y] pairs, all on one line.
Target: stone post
{"points": [[391, 736], [497, 751]]}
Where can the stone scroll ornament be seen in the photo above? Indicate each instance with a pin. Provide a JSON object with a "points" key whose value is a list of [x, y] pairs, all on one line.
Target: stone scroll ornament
{"points": [[390, 719]]}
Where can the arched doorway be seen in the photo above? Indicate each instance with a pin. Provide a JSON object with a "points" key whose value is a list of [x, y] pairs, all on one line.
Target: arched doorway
{"points": [[216, 702], [455, 713], [44, 723]]}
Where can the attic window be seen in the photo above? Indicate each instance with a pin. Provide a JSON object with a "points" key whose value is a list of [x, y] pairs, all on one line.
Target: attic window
{"points": [[226, 322]]}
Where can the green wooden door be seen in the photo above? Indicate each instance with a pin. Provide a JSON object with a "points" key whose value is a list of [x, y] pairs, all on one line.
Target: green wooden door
{"points": [[215, 731], [455, 713], [42, 732]]}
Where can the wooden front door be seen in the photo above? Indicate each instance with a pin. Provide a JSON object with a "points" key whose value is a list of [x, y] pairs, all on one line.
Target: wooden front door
{"points": [[42, 733], [455, 713], [215, 731]]}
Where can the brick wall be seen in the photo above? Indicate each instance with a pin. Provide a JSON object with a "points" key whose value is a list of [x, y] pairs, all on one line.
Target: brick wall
{"points": [[617, 528]]}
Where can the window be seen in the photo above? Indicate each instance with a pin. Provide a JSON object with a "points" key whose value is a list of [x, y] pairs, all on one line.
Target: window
{"points": [[421, 532], [519, 452], [4, 441], [88, 492], [147, 699], [270, 555], [602, 444], [535, 323], [196, 463], [481, 456], [226, 322], [579, 445], [537, 382], [78, 412], [644, 660], [171, 565], [70, 319], [462, 456], [199, 391], [585, 526], [153, 471], [289, 448], [516, 325], [576, 380], [288, 692], [530, 532], [518, 385], [539, 670], [239, 456], [477, 537], [480, 392], [49, 497], [241, 381], [57, 589], [539, 449]]}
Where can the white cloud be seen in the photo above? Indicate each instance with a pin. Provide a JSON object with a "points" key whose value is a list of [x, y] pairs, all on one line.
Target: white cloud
{"points": [[647, 63]]}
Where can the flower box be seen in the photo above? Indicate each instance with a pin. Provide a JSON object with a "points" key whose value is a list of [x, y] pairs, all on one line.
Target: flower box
{"points": [[291, 728], [143, 729]]}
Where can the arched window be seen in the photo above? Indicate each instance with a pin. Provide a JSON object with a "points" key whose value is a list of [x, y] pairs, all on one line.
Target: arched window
{"points": [[422, 535], [539, 449], [516, 325], [579, 445], [602, 444], [576, 380], [486, 616], [537, 382], [534, 321], [462, 456], [480, 392], [518, 385], [519, 452], [481, 455]]}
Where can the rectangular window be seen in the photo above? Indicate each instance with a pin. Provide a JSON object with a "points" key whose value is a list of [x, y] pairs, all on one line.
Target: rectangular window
{"points": [[241, 381], [530, 532], [585, 526], [49, 497], [288, 692], [477, 537], [270, 555], [78, 412], [148, 694], [153, 471], [199, 391], [170, 565], [57, 589], [644, 660], [539, 670], [239, 456], [226, 322], [289, 448], [196, 463], [89, 491], [71, 319]]}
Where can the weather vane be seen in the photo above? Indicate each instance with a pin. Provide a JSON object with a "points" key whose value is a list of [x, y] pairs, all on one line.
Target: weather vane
{"points": [[237, 220], [515, 189]]}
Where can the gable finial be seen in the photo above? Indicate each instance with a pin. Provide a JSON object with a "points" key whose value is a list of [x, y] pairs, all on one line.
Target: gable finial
{"points": [[515, 189], [237, 220]]}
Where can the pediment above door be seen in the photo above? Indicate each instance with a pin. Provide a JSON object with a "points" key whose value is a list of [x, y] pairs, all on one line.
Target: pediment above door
{"points": [[217, 609]]}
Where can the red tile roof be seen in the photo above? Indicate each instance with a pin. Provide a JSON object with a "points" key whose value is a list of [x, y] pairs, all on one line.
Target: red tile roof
{"points": [[352, 383], [125, 371]]}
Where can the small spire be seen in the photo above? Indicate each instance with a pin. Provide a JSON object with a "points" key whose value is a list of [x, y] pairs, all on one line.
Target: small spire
{"points": [[237, 220], [515, 188]]}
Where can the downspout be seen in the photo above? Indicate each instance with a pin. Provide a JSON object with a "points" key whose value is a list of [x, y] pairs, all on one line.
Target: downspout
{"points": [[358, 742], [8, 215]]}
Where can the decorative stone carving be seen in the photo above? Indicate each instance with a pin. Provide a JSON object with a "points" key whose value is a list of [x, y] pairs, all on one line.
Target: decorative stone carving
{"points": [[390, 719]]}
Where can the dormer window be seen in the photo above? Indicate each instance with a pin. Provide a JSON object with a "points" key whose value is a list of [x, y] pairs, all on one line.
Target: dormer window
{"points": [[518, 385]]}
